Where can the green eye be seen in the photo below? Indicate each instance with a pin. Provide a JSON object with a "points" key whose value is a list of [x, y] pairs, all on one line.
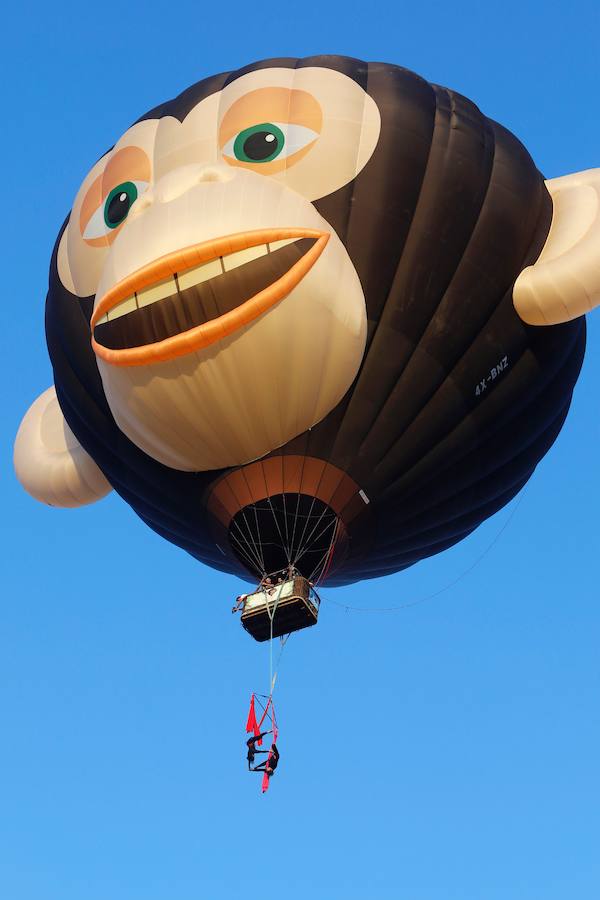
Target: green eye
{"points": [[119, 202], [259, 143]]}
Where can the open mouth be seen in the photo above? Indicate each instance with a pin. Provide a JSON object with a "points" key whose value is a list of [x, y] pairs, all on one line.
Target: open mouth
{"points": [[191, 298]]}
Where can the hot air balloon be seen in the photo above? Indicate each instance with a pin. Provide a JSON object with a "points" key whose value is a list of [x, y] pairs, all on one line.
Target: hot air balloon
{"points": [[315, 317]]}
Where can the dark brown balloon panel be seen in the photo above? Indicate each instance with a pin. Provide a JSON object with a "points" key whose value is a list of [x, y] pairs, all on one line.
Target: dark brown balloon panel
{"points": [[456, 400]]}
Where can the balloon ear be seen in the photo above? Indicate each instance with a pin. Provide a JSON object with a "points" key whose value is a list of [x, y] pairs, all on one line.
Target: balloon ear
{"points": [[49, 461], [564, 283]]}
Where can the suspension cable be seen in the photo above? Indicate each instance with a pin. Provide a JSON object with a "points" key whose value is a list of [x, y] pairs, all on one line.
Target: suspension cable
{"points": [[271, 616], [298, 506], [307, 542], [249, 539], [258, 547], [285, 520], [246, 550], [451, 584], [301, 545], [279, 529]]}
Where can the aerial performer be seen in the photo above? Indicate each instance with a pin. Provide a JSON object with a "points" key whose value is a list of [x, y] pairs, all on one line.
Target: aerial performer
{"points": [[317, 317], [271, 762], [253, 725], [252, 751]]}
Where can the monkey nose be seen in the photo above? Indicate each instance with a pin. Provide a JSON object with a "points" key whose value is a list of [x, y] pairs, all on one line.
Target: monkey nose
{"points": [[179, 181]]}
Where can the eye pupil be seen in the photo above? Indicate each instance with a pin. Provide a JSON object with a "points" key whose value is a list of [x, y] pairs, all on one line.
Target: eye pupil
{"points": [[118, 203], [259, 143], [257, 146]]}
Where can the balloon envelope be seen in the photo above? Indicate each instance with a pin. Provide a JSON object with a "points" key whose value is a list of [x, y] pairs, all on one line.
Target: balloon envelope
{"points": [[281, 322]]}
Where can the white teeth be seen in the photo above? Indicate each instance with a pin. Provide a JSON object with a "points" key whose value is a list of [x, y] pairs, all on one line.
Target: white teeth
{"points": [[190, 278], [122, 308], [276, 245], [233, 260], [199, 274], [157, 292]]}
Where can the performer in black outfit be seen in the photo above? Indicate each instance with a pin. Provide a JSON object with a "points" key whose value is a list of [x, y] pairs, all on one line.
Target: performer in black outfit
{"points": [[252, 751], [270, 764]]}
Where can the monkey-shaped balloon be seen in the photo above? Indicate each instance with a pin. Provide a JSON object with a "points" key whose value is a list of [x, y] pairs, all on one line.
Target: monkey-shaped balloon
{"points": [[315, 312]]}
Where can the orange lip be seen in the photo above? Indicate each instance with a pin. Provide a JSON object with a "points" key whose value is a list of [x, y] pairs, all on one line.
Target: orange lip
{"points": [[187, 258]]}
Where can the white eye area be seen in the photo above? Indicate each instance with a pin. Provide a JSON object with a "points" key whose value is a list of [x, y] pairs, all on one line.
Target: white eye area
{"points": [[114, 209], [267, 141]]}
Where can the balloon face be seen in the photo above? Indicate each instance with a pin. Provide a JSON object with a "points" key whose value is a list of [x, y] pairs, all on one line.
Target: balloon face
{"points": [[228, 317], [282, 327]]}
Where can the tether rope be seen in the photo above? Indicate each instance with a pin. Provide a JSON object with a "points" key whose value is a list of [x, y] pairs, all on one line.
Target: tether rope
{"points": [[284, 641], [271, 616], [451, 584], [273, 672]]}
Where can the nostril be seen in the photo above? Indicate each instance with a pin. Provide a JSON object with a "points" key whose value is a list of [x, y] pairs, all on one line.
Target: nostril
{"points": [[179, 181], [214, 173]]}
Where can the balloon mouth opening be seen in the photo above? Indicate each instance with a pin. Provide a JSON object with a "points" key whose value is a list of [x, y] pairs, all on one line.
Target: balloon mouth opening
{"points": [[195, 297], [287, 529], [263, 516]]}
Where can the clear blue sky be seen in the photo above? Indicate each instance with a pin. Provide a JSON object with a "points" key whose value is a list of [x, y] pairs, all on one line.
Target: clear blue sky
{"points": [[448, 750]]}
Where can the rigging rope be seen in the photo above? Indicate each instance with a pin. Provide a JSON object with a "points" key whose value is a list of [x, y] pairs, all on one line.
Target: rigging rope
{"points": [[451, 584], [252, 549], [298, 500], [323, 561], [245, 550], [288, 548], [295, 538], [271, 616], [328, 557], [307, 543], [284, 639], [302, 546], [262, 556], [287, 553]]}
